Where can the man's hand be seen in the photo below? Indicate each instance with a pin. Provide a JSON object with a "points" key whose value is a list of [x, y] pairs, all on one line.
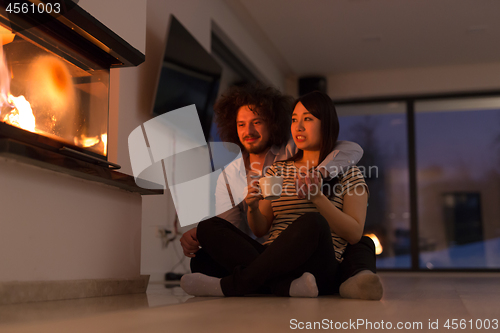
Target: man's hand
{"points": [[253, 196], [308, 186], [189, 243]]}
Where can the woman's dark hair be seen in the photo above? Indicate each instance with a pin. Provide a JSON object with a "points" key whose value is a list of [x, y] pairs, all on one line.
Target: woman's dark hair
{"points": [[271, 104], [321, 106]]}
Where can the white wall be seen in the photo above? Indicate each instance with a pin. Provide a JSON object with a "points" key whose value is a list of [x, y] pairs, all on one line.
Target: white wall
{"points": [[409, 81], [131, 105], [58, 227], [138, 85], [126, 18]]}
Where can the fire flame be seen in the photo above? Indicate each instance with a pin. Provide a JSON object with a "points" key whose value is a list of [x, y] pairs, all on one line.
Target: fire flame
{"points": [[22, 115], [6, 36], [378, 246], [4, 79], [87, 142], [104, 140], [56, 80]]}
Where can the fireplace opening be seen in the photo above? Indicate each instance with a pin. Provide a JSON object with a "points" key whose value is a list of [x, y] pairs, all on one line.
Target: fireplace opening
{"points": [[54, 80], [46, 94]]}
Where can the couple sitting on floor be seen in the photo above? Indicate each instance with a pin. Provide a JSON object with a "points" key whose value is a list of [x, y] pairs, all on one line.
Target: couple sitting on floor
{"points": [[307, 242]]}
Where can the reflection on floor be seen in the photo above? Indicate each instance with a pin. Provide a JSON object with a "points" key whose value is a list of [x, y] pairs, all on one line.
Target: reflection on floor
{"points": [[414, 300]]}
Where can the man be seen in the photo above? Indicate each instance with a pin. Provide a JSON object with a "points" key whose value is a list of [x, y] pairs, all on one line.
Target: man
{"points": [[258, 119]]}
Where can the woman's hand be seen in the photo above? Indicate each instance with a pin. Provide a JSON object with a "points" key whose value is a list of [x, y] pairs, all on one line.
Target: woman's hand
{"points": [[254, 195], [260, 212], [309, 186]]}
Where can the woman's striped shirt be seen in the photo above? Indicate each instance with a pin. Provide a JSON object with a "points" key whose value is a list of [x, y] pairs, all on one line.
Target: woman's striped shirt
{"points": [[288, 207]]}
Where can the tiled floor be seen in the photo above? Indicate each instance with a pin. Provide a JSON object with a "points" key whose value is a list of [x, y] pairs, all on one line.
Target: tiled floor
{"points": [[410, 299]]}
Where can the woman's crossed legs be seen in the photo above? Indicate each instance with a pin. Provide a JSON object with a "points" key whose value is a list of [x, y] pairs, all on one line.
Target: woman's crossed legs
{"points": [[305, 246]]}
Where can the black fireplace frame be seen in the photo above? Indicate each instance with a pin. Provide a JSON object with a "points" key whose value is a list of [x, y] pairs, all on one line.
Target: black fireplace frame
{"points": [[82, 35], [86, 38], [78, 30]]}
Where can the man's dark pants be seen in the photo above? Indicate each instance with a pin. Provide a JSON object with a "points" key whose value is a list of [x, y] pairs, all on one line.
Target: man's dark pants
{"points": [[357, 257]]}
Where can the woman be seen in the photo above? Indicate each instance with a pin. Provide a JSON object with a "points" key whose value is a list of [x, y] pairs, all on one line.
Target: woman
{"points": [[309, 228]]}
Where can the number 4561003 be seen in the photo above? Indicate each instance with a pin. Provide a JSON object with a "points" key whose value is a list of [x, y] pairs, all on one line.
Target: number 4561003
{"points": [[477, 324], [31, 8]]}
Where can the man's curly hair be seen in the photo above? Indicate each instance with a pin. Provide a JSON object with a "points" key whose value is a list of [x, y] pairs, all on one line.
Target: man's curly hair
{"points": [[274, 107]]}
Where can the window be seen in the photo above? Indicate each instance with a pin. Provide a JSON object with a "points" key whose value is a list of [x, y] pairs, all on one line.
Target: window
{"points": [[380, 129], [457, 150], [449, 148]]}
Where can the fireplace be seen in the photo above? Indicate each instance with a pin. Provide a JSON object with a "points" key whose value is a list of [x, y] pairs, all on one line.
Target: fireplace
{"points": [[54, 80], [71, 224]]}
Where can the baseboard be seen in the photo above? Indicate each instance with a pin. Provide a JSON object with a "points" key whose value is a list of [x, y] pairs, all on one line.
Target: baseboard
{"points": [[36, 291], [156, 277]]}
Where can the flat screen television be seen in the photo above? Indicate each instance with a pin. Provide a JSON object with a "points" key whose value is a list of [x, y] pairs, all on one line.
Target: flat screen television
{"points": [[189, 75]]}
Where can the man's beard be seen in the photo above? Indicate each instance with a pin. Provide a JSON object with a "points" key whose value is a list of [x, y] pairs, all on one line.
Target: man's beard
{"points": [[256, 149]]}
